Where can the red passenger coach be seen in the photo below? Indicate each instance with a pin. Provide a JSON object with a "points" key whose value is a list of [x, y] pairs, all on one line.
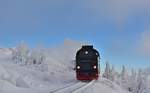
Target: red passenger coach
{"points": [[87, 63]]}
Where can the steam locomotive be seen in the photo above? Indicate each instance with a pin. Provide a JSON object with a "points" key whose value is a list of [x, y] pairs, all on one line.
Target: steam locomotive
{"points": [[87, 63]]}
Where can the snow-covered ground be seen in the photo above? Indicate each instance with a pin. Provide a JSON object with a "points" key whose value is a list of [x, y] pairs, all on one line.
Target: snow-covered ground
{"points": [[59, 74], [21, 79]]}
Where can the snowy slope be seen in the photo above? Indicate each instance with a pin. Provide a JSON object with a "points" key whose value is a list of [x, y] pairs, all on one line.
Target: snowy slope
{"points": [[104, 86], [15, 78]]}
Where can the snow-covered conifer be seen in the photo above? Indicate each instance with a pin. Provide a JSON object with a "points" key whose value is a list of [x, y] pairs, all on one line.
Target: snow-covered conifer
{"points": [[20, 53], [107, 71], [141, 82], [132, 81], [124, 78], [113, 74], [38, 59]]}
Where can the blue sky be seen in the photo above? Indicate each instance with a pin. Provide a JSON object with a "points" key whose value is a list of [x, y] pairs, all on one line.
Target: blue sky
{"points": [[118, 29]]}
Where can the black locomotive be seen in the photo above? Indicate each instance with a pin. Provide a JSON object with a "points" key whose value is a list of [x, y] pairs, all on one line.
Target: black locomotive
{"points": [[87, 63]]}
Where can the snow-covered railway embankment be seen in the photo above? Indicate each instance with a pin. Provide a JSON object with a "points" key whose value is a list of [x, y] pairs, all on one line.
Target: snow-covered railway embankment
{"points": [[75, 88]]}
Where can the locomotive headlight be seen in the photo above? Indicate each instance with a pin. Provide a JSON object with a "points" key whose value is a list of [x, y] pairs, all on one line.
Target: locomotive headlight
{"points": [[94, 67], [78, 67], [86, 52]]}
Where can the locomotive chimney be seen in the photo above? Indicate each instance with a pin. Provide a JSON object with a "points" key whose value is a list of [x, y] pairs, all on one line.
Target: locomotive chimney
{"points": [[87, 47]]}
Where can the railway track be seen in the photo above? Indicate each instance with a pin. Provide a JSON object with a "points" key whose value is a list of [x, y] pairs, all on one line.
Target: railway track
{"points": [[75, 88]]}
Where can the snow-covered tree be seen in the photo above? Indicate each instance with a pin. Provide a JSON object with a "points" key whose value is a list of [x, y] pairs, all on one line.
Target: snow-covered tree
{"points": [[113, 74], [124, 78], [20, 53], [141, 82], [34, 58], [124, 74], [110, 73], [132, 81], [135, 83], [38, 59], [107, 71]]}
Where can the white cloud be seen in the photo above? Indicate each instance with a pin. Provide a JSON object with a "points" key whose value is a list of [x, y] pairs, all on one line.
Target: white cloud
{"points": [[118, 7], [118, 10], [145, 43]]}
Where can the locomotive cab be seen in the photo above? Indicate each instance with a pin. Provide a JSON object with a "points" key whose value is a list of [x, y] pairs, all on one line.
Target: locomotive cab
{"points": [[87, 63]]}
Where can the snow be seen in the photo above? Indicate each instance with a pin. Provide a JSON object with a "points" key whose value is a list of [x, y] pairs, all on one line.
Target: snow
{"points": [[59, 73], [105, 86]]}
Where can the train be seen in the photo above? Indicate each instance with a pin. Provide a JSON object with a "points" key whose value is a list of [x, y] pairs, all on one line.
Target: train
{"points": [[87, 63]]}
